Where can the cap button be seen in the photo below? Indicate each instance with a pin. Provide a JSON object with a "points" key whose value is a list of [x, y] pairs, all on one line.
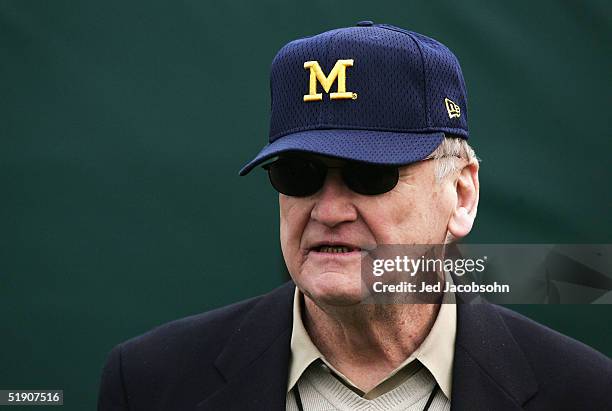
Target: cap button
{"points": [[365, 23]]}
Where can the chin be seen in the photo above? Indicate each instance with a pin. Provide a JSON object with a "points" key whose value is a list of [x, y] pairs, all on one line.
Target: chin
{"points": [[334, 288]]}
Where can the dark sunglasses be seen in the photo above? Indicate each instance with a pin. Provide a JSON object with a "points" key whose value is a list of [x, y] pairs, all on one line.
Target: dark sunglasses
{"points": [[300, 176]]}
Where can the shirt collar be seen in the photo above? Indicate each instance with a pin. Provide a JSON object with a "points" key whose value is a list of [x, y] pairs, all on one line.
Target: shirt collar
{"points": [[436, 352]]}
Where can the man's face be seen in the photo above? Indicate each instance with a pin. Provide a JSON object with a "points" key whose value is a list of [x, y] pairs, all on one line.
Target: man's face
{"points": [[416, 211]]}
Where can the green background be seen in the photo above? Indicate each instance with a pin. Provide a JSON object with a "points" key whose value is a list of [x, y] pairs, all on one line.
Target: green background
{"points": [[124, 124]]}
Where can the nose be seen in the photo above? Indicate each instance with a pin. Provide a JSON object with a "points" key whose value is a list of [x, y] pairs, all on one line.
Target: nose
{"points": [[333, 203]]}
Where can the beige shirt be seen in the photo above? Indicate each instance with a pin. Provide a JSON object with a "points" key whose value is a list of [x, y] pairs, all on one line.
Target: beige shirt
{"points": [[436, 353]]}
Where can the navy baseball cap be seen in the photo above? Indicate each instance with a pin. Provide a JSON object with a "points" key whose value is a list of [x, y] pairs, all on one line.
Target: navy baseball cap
{"points": [[373, 93]]}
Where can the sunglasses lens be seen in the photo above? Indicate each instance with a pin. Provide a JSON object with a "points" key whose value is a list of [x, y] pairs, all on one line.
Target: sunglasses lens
{"points": [[371, 179], [296, 177]]}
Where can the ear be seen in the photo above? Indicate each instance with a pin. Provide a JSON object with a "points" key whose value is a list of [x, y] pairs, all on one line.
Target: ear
{"points": [[467, 189]]}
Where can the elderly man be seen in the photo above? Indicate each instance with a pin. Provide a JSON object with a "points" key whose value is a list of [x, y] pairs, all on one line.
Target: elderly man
{"points": [[367, 147]]}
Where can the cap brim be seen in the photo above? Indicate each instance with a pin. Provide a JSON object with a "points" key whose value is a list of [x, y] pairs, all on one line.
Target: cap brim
{"points": [[377, 147]]}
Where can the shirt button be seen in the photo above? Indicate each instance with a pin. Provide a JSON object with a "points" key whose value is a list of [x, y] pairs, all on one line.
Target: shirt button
{"points": [[365, 23]]}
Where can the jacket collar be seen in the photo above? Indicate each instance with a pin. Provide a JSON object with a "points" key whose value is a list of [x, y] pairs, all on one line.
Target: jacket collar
{"points": [[490, 371], [255, 361]]}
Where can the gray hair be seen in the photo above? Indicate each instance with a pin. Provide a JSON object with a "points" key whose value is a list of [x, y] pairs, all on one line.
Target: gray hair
{"points": [[447, 154]]}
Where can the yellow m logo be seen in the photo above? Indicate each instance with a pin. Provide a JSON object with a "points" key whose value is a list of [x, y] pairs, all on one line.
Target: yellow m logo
{"points": [[338, 72]]}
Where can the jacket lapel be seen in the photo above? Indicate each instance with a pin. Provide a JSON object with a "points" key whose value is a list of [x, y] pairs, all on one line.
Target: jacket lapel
{"points": [[255, 361], [490, 371]]}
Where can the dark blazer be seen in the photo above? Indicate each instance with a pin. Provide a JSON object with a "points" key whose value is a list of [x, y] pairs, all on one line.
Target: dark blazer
{"points": [[237, 358]]}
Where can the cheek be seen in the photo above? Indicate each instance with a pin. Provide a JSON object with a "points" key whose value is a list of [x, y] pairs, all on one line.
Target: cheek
{"points": [[415, 217], [388, 218], [294, 216], [438, 214]]}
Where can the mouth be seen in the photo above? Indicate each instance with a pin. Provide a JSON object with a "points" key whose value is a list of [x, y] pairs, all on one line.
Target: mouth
{"points": [[326, 248]]}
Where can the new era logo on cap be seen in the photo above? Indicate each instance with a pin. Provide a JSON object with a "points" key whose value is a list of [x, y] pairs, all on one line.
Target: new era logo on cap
{"points": [[374, 93], [452, 108]]}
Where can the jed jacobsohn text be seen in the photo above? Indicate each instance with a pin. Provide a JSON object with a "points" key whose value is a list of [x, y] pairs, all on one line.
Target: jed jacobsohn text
{"points": [[412, 266], [405, 287]]}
